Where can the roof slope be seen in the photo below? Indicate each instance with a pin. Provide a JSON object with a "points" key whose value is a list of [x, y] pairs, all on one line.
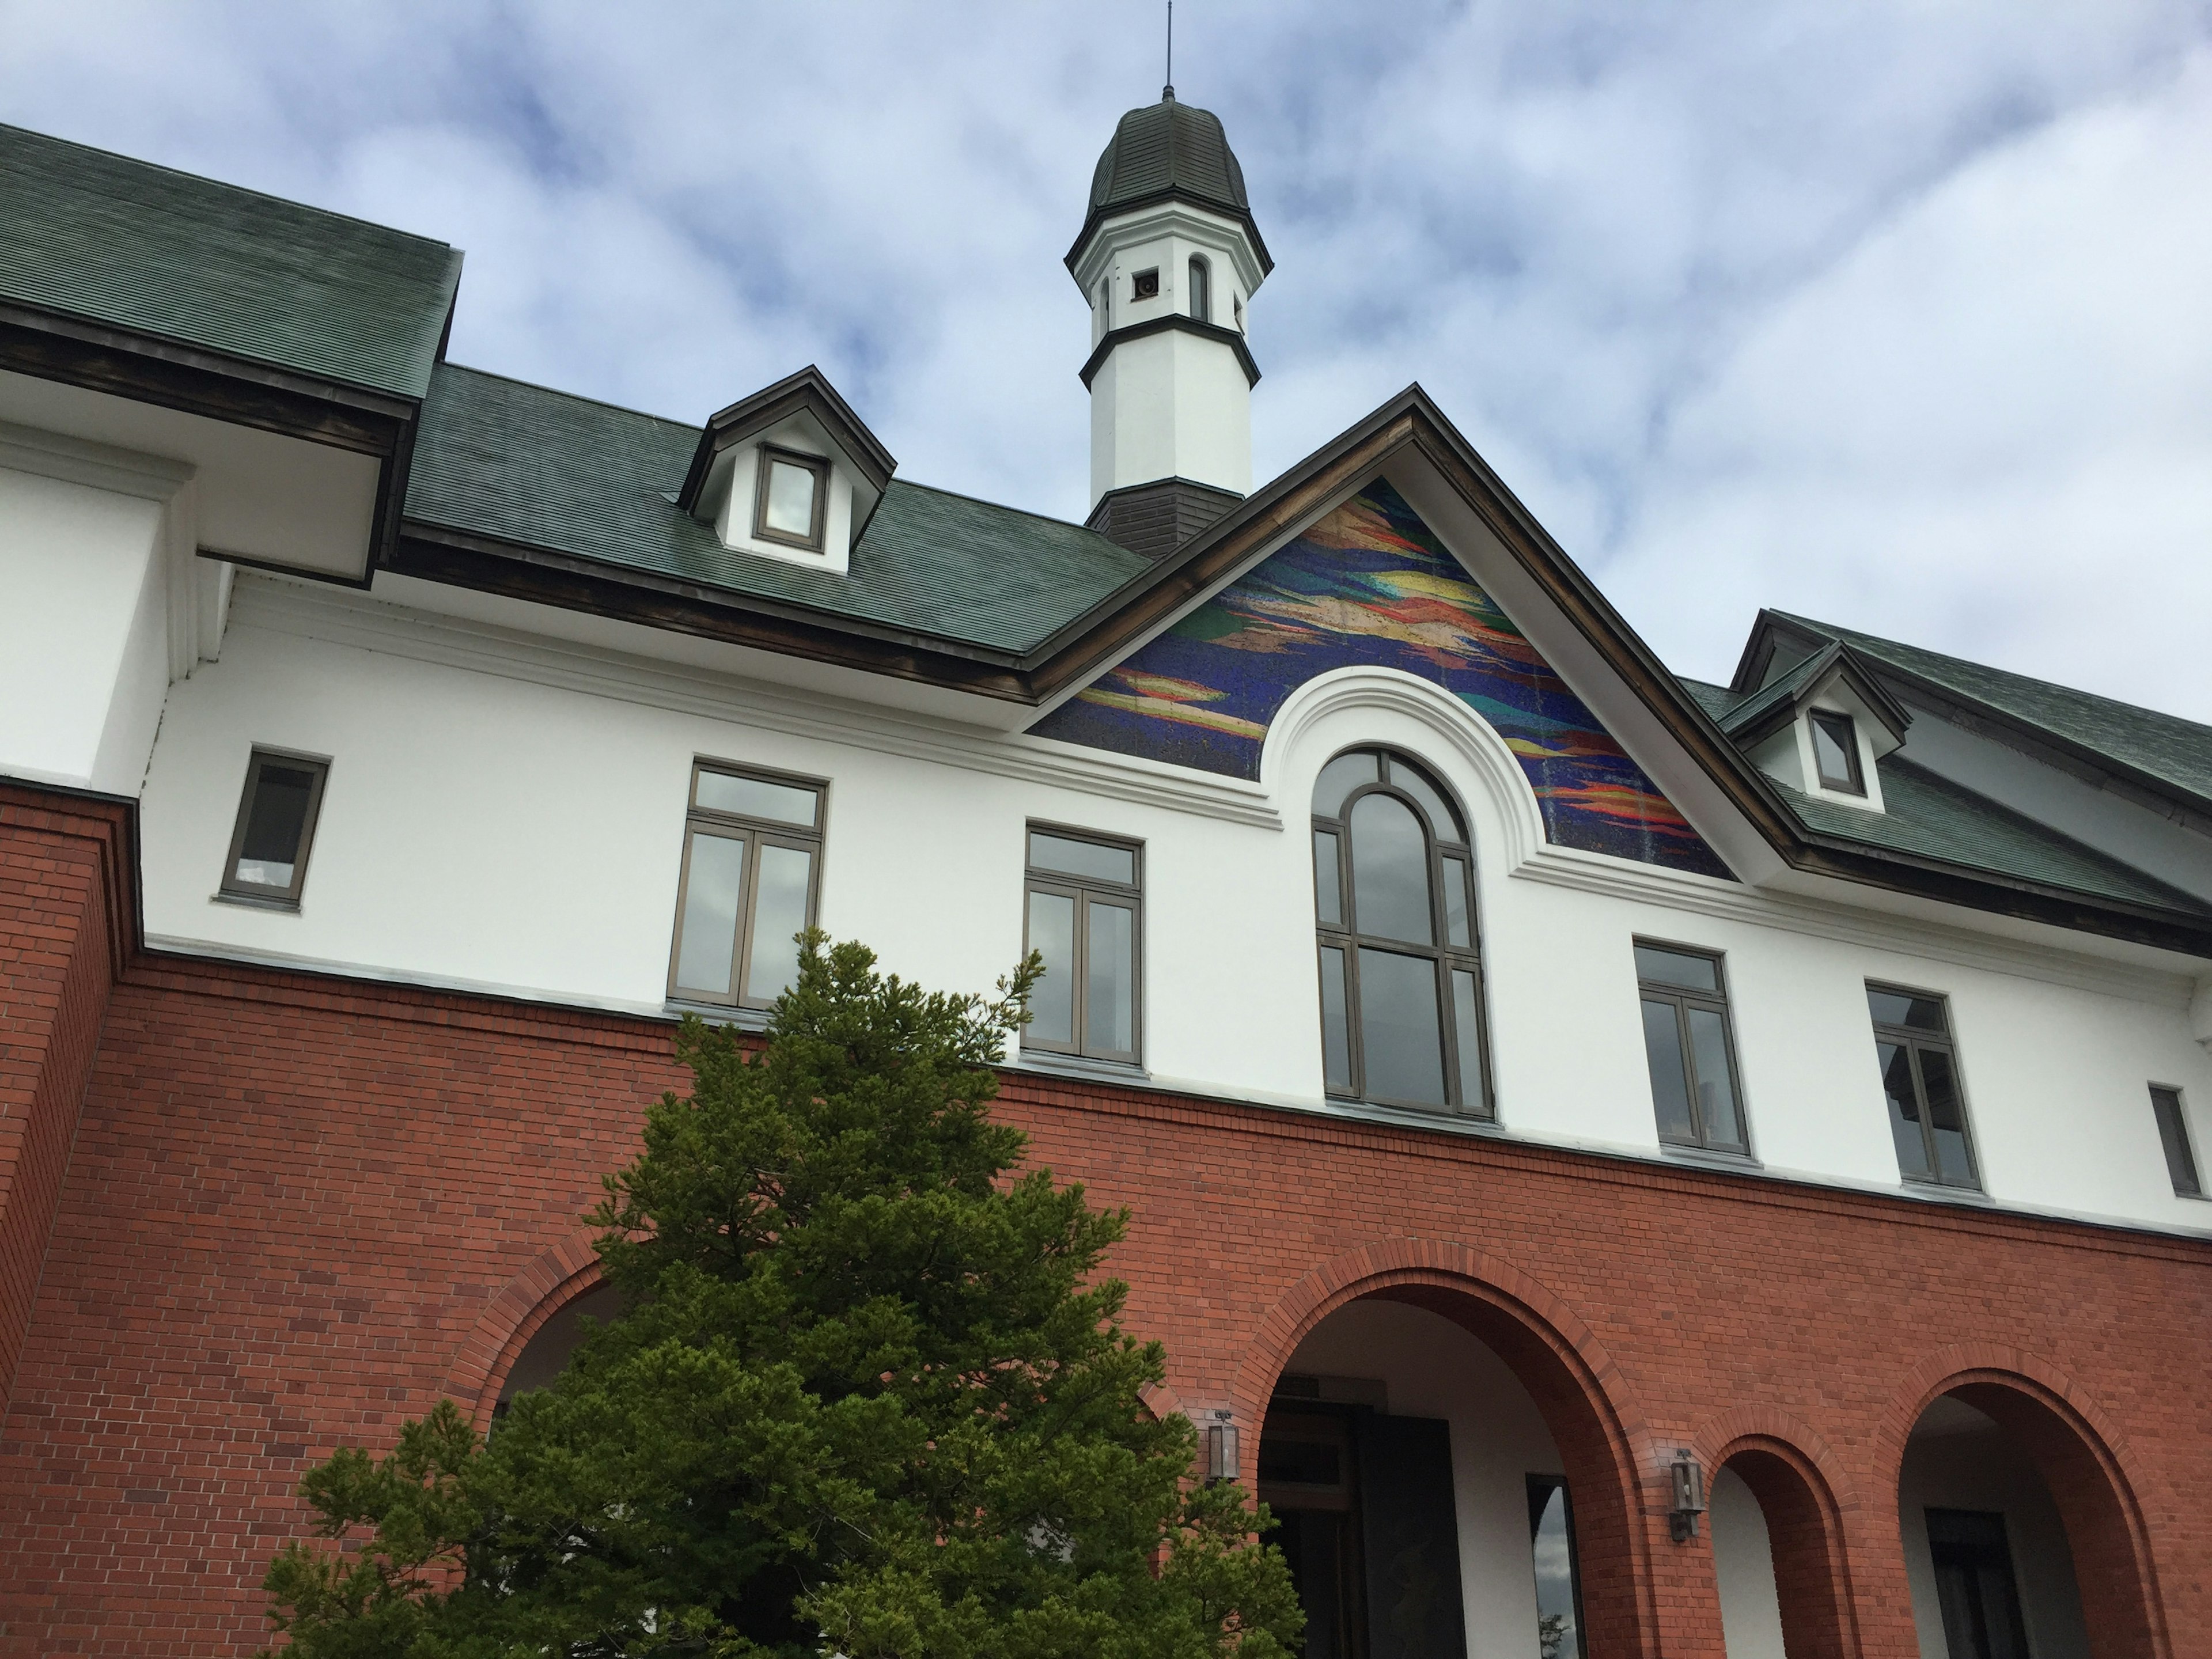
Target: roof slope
{"points": [[142, 248], [2163, 749], [1169, 151], [520, 463]]}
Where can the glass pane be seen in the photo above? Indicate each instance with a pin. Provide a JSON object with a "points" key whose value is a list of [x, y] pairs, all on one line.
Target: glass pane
{"points": [[1456, 926], [790, 498], [2173, 1135], [1338, 779], [1109, 1012], [1554, 1542], [1692, 973], [1903, 1008], [1467, 1025], [1717, 1108], [1201, 302], [1670, 1075], [1443, 817], [1082, 857], [1051, 1004], [1328, 897], [1389, 871], [757, 797], [1335, 1032], [1400, 1040], [270, 853], [714, 883], [779, 913], [1947, 1115], [1904, 1109], [1835, 750]]}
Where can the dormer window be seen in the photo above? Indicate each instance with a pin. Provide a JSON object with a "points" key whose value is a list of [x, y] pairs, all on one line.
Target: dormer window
{"points": [[1836, 752], [1145, 285], [1201, 295], [788, 505]]}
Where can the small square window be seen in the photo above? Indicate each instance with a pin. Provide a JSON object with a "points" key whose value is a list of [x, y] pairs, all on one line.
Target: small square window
{"points": [[2173, 1134], [1836, 752], [1145, 285], [790, 502], [276, 826]]}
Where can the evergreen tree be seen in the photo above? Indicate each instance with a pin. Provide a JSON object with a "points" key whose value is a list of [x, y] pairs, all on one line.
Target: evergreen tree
{"points": [[868, 1398]]}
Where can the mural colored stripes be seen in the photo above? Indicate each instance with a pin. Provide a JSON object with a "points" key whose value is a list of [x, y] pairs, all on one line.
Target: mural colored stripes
{"points": [[1370, 584]]}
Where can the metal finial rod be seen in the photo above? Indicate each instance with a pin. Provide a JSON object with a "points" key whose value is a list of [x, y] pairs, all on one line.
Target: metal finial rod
{"points": [[1167, 92]]}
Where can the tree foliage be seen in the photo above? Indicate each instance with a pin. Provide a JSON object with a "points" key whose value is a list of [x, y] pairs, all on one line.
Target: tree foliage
{"points": [[869, 1397]]}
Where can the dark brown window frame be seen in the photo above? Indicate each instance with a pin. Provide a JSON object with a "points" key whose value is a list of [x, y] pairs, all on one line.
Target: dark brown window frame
{"points": [[2181, 1166], [812, 541], [1684, 999], [1138, 282], [1037, 879], [1344, 937], [230, 888], [1820, 719], [1916, 1041], [759, 832], [1200, 279]]}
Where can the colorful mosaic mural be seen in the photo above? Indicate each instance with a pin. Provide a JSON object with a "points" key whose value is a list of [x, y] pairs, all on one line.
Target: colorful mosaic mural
{"points": [[1370, 584]]}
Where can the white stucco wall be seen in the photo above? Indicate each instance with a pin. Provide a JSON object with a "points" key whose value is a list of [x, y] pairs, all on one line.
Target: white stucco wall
{"points": [[1171, 405], [1743, 1565]]}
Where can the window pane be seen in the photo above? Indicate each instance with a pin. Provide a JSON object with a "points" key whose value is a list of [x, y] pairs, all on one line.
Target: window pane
{"points": [[1692, 973], [1335, 1032], [1109, 1010], [2173, 1134], [1947, 1115], [779, 913], [1903, 1008], [1389, 871], [1051, 931], [790, 498], [1456, 926], [270, 852], [1338, 779], [1443, 817], [1670, 1074], [1904, 1109], [1201, 302], [1083, 858], [1835, 750], [1468, 1028], [1400, 1040], [758, 798], [713, 884], [1329, 898], [1553, 1541], [1717, 1108]]}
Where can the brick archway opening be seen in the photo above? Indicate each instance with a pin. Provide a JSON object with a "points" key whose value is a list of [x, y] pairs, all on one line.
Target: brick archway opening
{"points": [[1805, 1540], [2015, 1511]]}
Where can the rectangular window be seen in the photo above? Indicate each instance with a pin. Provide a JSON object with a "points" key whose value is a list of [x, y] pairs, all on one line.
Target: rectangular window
{"points": [[1692, 1051], [2173, 1133], [276, 826], [792, 498], [1559, 1576], [752, 872], [1085, 914], [1836, 752], [1920, 1080]]}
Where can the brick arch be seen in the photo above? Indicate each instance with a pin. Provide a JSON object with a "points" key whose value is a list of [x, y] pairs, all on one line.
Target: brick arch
{"points": [[1806, 1497], [1601, 1436], [2084, 1462], [557, 1277]]}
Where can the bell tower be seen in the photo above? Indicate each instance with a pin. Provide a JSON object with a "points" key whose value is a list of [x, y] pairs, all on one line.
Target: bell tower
{"points": [[1169, 260]]}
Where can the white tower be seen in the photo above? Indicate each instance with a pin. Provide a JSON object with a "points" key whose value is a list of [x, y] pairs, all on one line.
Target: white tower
{"points": [[1169, 260]]}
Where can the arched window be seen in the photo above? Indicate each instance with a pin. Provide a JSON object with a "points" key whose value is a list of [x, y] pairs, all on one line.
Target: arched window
{"points": [[1201, 290], [1394, 899]]}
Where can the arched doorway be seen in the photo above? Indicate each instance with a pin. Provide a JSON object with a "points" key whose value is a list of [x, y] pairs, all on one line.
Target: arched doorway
{"points": [[547, 1353], [1777, 1555]]}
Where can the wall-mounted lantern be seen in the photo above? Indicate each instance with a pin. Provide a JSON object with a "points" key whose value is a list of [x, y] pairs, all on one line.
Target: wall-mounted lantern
{"points": [[1689, 1495], [1220, 1449]]}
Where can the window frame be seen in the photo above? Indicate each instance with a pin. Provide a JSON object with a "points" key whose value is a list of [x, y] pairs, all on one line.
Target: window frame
{"points": [[814, 540], [1548, 1484], [1820, 720], [232, 890], [1081, 890], [1916, 1041], [2180, 1150], [759, 832], [1201, 289], [1683, 999], [1342, 936], [1137, 281]]}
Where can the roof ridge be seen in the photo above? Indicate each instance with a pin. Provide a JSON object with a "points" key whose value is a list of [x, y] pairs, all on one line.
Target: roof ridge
{"points": [[225, 184], [570, 397]]}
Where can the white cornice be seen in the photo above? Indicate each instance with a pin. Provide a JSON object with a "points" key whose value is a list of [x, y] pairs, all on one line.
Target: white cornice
{"points": [[1124, 230]]}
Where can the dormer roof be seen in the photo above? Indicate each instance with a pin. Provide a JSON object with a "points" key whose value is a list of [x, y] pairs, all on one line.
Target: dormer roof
{"points": [[808, 392], [1169, 151], [1781, 699]]}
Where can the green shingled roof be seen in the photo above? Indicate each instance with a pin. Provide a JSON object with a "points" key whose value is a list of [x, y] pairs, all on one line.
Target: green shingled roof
{"points": [[519, 463], [1164, 151], [2164, 749], [142, 248]]}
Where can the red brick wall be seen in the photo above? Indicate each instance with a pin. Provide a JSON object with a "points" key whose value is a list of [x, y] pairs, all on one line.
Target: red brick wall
{"points": [[299, 1210]]}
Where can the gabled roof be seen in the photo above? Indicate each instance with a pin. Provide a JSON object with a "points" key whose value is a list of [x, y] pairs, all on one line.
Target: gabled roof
{"points": [[1773, 705], [808, 391], [1169, 151], [88, 234]]}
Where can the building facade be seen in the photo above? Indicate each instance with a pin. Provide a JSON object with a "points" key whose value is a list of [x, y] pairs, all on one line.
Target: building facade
{"points": [[1629, 1166]]}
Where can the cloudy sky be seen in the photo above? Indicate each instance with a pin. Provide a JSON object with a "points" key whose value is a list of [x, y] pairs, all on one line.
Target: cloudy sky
{"points": [[1893, 314]]}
